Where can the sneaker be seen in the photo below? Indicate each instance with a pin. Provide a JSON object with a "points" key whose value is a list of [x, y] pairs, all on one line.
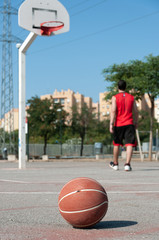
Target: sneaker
{"points": [[114, 166], [127, 167]]}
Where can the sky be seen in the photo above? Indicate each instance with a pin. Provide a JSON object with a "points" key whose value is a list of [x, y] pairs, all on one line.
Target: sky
{"points": [[102, 33]]}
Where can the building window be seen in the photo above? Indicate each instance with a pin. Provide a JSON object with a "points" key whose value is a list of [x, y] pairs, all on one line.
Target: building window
{"points": [[56, 100], [103, 113], [62, 100], [107, 106], [107, 113]]}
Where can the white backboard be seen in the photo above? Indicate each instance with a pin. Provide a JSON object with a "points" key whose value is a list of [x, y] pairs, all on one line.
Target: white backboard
{"points": [[32, 13]]}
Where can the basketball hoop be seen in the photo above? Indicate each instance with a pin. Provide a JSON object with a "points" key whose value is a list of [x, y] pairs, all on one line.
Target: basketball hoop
{"points": [[48, 27]]}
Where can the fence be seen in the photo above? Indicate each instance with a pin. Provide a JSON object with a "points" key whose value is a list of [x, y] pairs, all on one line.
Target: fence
{"points": [[52, 150]]}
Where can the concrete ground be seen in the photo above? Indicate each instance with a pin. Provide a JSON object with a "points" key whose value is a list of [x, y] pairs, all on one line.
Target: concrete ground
{"points": [[29, 200]]}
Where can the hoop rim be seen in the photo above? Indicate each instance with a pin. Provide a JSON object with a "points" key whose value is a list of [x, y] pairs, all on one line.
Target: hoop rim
{"points": [[47, 30]]}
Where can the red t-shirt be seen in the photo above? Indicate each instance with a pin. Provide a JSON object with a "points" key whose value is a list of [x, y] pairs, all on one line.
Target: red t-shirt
{"points": [[124, 103]]}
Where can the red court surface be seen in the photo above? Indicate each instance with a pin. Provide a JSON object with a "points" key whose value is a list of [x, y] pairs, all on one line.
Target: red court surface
{"points": [[29, 201]]}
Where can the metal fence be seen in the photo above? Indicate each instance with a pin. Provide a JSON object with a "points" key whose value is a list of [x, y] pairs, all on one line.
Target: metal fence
{"points": [[53, 150]]}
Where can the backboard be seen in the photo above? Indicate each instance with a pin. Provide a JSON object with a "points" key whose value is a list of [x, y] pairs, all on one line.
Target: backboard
{"points": [[33, 13]]}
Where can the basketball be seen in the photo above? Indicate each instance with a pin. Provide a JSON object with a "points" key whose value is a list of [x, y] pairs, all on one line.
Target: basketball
{"points": [[83, 202]]}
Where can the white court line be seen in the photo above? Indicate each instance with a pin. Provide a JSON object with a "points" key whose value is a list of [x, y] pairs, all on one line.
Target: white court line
{"points": [[66, 181], [133, 192], [57, 193], [31, 193], [16, 181], [13, 181], [128, 183]]}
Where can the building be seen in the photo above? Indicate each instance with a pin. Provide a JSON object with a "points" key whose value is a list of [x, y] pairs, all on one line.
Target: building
{"points": [[15, 123], [68, 99], [104, 107], [95, 110]]}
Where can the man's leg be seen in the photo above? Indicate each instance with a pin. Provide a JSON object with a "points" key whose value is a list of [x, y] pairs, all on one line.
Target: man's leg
{"points": [[115, 154], [114, 164], [129, 151], [129, 143]]}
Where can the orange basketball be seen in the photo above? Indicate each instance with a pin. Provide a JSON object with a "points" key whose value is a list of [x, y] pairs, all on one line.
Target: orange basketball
{"points": [[83, 202]]}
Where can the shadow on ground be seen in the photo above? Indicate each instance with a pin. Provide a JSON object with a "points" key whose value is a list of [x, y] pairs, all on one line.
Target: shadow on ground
{"points": [[114, 224], [110, 225]]}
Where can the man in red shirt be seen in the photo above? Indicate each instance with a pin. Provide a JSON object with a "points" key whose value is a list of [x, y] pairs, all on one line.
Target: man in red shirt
{"points": [[122, 124]]}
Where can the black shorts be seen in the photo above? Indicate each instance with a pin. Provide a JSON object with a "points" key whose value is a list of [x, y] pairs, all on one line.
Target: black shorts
{"points": [[126, 134]]}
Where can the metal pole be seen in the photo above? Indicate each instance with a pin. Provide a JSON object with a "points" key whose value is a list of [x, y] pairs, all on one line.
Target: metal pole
{"points": [[60, 110], [138, 139], [61, 132], [22, 50], [27, 137], [157, 152], [22, 163]]}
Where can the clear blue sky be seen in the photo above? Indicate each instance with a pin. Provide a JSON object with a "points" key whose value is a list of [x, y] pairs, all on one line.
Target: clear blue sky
{"points": [[102, 32]]}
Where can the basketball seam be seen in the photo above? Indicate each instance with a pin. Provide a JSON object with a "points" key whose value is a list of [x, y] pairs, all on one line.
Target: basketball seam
{"points": [[91, 224], [67, 195], [82, 190], [85, 210]]}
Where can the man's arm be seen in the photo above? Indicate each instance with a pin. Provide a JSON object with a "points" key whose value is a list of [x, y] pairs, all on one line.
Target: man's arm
{"points": [[136, 115], [113, 114]]}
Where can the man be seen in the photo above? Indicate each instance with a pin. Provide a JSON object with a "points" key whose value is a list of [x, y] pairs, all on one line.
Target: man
{"points": [[122, 125]]}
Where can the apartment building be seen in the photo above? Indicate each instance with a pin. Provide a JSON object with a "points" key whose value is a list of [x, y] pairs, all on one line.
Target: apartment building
{"points": [[104, 107], [10, 116], [69, 98], [95, 110]]}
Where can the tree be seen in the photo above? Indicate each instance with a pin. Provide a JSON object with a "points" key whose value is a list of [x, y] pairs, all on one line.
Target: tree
{"points": [[42, 118], [142, 77], [80, 122], [99, 132], [144, 123]]}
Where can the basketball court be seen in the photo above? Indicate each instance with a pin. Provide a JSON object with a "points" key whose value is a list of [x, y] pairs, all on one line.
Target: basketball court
{"points": [[29, 191], [29, 200]]}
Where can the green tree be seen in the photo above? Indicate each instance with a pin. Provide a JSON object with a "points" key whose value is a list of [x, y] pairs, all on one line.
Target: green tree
{"points": [[43, 118], [144, 123], [99, 132], [142, 77], [81, 121]]}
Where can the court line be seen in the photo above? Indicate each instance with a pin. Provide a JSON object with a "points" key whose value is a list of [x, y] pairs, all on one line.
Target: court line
{"points": [[31, 193], [128, 183], [24, 182], [65, 181], [12, 181], [57, 193]]}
